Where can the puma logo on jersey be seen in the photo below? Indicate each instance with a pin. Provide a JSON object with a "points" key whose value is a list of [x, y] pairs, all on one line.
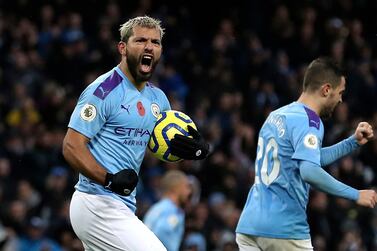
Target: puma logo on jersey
{"points": [[109, 185], [102, 91], [125, 108], [316, 123]]}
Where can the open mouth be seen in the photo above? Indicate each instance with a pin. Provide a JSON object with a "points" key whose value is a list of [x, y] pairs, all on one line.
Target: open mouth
{"points": [[146, 63]]}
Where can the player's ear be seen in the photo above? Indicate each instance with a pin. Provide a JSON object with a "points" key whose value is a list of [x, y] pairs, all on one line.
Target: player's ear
{"points": [[122, 48], [326, 89]]}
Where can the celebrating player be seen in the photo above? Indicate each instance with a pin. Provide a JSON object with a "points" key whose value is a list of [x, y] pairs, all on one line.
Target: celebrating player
{"points": [[289, 160], [106, 141]]}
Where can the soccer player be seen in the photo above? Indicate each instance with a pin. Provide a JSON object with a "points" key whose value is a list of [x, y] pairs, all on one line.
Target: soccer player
{"points": [[166, 218], [289, 161], [106, 141]]}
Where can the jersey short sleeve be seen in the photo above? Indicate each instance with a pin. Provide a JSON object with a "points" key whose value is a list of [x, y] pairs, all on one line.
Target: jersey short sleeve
{"points": [[306, 140], [90, 113]]}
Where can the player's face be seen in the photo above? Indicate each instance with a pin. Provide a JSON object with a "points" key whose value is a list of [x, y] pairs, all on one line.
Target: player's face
{"points": [[334, 99], [143, 52], [184, 192]]}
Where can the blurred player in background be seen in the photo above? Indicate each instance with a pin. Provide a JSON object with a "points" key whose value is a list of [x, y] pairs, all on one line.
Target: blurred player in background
{"points": [[166, 218], [106, 141], [289, 161]]}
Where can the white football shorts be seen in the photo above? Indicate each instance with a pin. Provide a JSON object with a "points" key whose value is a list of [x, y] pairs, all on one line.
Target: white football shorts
{"points": [[105, 224], [255, 243]]}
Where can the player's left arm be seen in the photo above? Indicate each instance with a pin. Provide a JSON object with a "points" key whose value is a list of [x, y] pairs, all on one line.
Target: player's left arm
{"points": [[318, 178], [190, 148], [321, 180], [363, 133]]}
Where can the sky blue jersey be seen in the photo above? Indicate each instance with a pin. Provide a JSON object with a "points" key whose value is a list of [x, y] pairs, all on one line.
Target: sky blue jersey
{"points": [[167, 222], [276, 204], [118, 119]]}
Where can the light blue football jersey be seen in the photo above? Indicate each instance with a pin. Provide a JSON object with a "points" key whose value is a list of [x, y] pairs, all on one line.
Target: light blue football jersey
{"points": [[167, 222], [119, 120], [276, 204]]}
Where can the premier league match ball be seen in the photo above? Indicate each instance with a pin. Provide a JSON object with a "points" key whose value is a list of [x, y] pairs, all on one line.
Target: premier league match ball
{"points": [[168, 124]]}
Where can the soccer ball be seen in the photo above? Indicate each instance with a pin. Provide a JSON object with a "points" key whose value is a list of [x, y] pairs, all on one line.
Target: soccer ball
{"points": [[168, 124]]}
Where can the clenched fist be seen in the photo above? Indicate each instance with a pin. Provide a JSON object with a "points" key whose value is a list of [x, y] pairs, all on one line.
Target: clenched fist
{"points": [[363, 133], [367, 198]]}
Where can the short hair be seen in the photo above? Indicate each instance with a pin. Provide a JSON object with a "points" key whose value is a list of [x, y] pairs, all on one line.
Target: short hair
{"points": [[126, 29], [171, 179], [322, 70]]}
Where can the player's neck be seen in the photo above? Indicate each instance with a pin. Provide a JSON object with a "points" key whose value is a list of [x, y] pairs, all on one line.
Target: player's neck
{"points": [[128, 74], [173, 198], [311, 101]]}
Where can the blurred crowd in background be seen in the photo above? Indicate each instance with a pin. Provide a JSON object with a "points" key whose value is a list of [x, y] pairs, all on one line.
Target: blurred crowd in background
{"points": [[225, 66]]}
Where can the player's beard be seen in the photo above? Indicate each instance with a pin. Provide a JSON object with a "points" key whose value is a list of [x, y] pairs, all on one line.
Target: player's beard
{"points": [[327, 112], [133, 63]]}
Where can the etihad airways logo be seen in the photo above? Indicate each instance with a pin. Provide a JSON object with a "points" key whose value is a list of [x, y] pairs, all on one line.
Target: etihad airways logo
{"points": [[133, 136], [132, 132]]}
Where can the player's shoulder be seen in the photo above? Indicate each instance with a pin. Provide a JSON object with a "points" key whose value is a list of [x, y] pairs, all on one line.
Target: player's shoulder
{"points": [[154, 209], [168, 206], [105, 85], [297, 114], [154, 90], [161, 209]]}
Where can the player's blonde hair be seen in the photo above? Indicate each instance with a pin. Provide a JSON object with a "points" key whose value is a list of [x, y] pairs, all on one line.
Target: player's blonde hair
{"points": [[126, 29], [171, 179]]}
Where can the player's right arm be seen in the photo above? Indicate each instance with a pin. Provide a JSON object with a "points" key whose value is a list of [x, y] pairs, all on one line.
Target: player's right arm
{"points": [[363, 133], [332, 153], [77, 154], [88, 118]]}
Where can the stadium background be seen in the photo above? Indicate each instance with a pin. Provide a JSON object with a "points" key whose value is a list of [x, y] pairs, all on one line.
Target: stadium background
{"points": [[227, 66]]}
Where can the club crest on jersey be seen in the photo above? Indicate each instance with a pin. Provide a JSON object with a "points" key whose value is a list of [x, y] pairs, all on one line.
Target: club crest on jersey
{"points": [[155, 109], [88, 112], [173, 220], [311, 141]]}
